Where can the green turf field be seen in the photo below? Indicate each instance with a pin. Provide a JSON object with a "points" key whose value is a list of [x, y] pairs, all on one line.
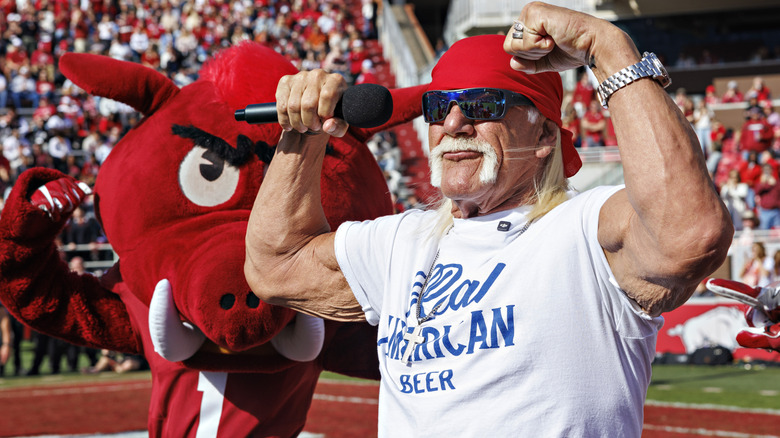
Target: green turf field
{"points": [[731, 385]]}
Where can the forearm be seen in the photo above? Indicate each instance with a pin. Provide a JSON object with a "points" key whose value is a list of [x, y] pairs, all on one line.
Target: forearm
{"points": [[288, 212]]}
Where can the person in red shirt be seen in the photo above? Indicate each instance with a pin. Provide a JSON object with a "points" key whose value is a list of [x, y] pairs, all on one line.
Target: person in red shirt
{"points": [[756, 133], [46, 109], [750, 170], [759, 90], [583, 94], [151, 57], [709, 95], [15, 56], [593, 125], [768, 191], [44, 86], [732, 94], [367, 75], [767, 158]]}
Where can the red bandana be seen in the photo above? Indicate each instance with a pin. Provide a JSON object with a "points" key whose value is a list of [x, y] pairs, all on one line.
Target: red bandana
{"points": [[481, 61]]}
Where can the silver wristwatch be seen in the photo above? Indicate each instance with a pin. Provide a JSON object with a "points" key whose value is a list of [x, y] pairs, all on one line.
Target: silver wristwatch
{"points": [[649, 66]]}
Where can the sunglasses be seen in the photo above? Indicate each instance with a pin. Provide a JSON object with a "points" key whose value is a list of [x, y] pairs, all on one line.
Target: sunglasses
{"points": [[474, 103]]}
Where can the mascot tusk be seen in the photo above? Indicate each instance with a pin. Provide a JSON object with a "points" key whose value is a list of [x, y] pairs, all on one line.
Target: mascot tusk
{"points": [[301, 341], [172, 338]]}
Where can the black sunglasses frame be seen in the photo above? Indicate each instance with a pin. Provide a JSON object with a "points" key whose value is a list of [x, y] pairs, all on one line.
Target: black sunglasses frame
{"points": [[508, 98]]}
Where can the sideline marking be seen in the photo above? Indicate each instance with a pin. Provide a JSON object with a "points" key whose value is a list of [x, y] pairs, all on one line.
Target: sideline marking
{"points": [[710, 407], [704, 432], [14, 393], [343, 399]]}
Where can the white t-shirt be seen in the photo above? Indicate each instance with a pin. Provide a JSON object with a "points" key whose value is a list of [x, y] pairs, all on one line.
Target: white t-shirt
{"points": [[533, 337]]}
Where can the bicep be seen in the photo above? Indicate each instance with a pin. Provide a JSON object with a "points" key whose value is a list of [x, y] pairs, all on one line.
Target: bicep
{"points": [[644, 270], [311, 282]]}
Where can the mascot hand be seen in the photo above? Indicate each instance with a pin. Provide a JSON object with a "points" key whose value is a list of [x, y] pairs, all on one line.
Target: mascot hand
{"points": [[60, 197], [301, 341], [763, 316], [172, 338]]}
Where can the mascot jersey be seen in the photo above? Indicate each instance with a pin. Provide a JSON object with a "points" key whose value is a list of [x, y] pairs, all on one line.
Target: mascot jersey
{"points": [[532, 336]]}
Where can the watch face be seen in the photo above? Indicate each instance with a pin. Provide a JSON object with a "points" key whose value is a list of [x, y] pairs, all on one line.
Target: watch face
{"points": [[663, 78]]}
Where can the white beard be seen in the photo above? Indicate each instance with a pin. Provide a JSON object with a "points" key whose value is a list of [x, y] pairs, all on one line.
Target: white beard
{"points": [[488, 173]]}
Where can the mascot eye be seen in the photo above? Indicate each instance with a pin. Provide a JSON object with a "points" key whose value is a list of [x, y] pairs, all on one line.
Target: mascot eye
{"points": [[206, 179]]}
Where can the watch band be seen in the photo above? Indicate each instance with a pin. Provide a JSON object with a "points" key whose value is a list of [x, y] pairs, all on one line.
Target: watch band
{"points": [[649, 66]]}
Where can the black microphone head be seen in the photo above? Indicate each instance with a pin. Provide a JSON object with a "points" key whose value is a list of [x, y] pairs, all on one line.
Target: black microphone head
{"points": [[366, 105]]}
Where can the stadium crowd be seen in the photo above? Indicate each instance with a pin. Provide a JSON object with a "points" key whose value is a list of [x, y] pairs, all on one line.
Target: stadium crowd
{"points": [[45, 120]]}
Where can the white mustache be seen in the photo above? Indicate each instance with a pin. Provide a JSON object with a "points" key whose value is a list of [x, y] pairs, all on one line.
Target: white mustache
{"points": [[489, 170]]}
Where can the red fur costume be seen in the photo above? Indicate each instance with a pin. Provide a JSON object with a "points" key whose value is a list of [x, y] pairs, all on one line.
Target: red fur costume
{"points": [[174, 198]]}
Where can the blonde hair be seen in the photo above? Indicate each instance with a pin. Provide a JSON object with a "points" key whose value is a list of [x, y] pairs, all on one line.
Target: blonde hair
{"points": [[550, 190]]}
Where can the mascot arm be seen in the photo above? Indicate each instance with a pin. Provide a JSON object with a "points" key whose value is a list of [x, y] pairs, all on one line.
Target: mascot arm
{"points": [[36, 285]]}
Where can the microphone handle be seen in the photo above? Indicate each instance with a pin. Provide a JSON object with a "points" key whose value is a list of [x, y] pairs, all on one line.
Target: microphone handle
{"points": [[266, 113]]}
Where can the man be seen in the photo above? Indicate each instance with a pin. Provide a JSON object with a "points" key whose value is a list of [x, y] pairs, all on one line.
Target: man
{"points": [[518, 308], [757, 134]]}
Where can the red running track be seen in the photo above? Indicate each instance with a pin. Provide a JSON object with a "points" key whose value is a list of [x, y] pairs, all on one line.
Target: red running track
{"points": [[340, 410]]}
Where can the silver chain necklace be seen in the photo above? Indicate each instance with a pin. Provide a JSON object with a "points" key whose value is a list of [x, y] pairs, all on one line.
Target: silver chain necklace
{"points": [[414, 338]]}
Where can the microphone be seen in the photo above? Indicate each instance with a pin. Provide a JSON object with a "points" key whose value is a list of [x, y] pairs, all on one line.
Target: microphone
{"points": [[362, 106]]}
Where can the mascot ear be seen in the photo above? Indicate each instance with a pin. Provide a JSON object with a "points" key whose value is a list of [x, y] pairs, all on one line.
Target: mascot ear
{"points": [[141, 87], [407, 106]]}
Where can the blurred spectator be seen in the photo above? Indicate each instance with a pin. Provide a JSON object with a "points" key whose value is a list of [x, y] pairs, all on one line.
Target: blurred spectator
{"points": [[23, 88], [46, 347], [82, 230], [681, 98], [117, 362], [610, 138], [139, 41], [735, 195], [774, 273], [772, 116], [572, 123], [709, 95], [713, 160], [702, 123], [768, 192], [583, 94], [767, 158], [367, 75], [759, 90], [756, 133], [593, 125], [336, 62], [6, 338], [59, 149], [757, 267], [732, 93], [3, 90], [750, 170]]}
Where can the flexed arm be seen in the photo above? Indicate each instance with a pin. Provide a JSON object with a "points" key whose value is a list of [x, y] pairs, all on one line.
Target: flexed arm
{"points": [[291, 259], [36, 285], [668, 229]]}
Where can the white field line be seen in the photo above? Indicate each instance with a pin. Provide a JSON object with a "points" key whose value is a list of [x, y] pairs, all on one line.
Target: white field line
{"points": [[345, 399], [704, 432], [46, 392], [710, 407]]}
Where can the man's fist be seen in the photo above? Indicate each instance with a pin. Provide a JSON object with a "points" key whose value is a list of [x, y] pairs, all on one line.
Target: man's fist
{"points": [[60, 197], [763, 317]]}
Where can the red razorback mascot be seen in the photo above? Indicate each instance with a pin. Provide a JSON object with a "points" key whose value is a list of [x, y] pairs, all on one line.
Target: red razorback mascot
{"points": [[174, 198]]}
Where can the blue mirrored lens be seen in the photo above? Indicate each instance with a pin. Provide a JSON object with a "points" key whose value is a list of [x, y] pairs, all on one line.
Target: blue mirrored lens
{"points": [[474, 103]]}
